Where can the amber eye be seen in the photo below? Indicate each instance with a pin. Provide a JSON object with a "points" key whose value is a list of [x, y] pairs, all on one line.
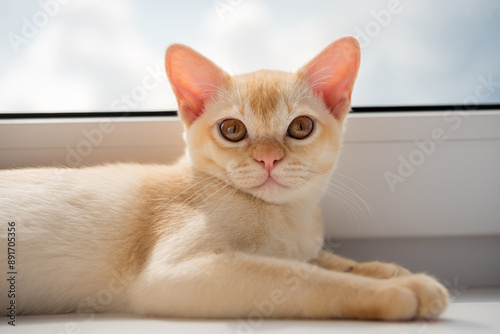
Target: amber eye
{"points": [[233, 130], [301, 127]]}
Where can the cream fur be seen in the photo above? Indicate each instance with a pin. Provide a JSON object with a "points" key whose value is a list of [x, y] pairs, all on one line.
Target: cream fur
{"points": [[201, 238]]}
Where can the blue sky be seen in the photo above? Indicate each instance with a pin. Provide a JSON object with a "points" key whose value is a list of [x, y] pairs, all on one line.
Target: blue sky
{"points": [[89, 53]]}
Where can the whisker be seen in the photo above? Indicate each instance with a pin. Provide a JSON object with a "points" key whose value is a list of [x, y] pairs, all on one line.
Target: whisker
{"points": [[182, 192], [355, 195], [193, 197], [353, 210], [212, 194], [351, 179], [346, 205]]}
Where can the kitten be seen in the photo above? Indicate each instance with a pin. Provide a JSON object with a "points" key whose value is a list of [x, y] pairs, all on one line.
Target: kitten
{"points": [[233, 228]]}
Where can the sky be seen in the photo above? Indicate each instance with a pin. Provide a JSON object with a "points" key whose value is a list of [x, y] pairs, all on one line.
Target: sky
{"points": [[94, 55]]}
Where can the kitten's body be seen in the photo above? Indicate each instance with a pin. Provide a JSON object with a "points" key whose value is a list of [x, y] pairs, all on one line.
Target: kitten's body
{"points": [[233, 226], [81, 230]]}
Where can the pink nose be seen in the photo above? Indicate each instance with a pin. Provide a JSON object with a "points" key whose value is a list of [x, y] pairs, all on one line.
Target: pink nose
{"points": [[269, 159]]}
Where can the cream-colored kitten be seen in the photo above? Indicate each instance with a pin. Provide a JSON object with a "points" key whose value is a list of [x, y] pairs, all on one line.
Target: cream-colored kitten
{"points": [[230, 230]]}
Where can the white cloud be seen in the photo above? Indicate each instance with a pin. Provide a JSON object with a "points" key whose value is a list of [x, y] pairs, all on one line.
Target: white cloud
{"points": [[94, 51], [415, 59], [87, 56], [251, 37]]}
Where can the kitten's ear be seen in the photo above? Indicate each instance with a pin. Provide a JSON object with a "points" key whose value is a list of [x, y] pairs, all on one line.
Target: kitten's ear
{"points": [[331, 74], [192, 77]]}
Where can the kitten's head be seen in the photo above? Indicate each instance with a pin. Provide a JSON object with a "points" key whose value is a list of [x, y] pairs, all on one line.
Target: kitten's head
{"points": [[271, 134]]}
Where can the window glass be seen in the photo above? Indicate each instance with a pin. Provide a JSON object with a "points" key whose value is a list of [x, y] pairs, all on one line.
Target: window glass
{"points": [[94, 55]]}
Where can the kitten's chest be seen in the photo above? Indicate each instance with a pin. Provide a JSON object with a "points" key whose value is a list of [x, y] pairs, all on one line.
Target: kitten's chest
{"points": [[228, 220], [296, 234], [271, 230]]}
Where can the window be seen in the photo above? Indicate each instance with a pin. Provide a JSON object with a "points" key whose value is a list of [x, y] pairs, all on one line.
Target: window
{"points": [[95, 56]]}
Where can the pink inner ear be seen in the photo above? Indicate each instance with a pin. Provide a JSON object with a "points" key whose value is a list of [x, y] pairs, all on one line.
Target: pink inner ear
{"points": [[332, 74], [192, 77]]}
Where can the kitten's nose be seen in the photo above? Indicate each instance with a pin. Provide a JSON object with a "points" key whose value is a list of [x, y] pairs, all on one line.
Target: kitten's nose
{"points": [[269, 158]]}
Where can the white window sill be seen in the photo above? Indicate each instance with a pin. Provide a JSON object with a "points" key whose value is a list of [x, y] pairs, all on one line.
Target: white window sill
{"points": [[452, 189], [473, 311]]}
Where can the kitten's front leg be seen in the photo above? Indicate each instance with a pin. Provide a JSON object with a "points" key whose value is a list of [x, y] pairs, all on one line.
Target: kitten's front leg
{"points": [[236, 285], [374, 269]]}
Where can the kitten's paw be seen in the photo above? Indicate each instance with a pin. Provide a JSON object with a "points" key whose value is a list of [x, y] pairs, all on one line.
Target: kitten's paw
{"points": [[416, 296], [379, 270], [432, 296]]}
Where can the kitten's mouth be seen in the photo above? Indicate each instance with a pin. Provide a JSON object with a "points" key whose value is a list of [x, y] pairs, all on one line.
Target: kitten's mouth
{"points": [[269, 182]]}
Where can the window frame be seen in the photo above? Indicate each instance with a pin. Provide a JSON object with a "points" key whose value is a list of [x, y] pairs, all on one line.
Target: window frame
{"points": [[159, 139]]}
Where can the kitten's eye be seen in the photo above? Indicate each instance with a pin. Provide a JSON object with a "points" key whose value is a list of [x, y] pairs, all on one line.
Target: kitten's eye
{"points": [[233, 130], [301, 127]]}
